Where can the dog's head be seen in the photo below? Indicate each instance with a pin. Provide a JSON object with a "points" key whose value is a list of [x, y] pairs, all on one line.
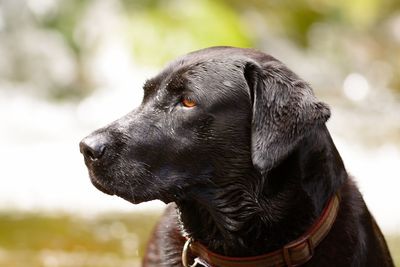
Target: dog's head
{"points": [[209, 116]]}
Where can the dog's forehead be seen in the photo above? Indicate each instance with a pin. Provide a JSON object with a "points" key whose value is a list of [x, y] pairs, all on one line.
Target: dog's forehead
{"points": [[216, 73], [205, 67]]}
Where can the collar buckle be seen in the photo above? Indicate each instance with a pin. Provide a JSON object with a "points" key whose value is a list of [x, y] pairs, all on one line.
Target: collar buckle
{"points": [[306, 248], [185, 251]]}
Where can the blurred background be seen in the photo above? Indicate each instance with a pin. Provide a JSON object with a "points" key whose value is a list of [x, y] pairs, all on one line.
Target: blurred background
{"points": [[68, 67]]}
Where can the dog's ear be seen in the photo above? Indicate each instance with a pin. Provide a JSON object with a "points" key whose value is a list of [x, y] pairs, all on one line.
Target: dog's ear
{"points": [[284, 110]]}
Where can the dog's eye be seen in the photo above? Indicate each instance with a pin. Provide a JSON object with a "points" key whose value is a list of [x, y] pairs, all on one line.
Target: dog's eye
{"points": [[187, 102]]}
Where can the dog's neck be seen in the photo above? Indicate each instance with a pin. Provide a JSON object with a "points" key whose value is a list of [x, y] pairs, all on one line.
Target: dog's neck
{"points": [[254, 215]]}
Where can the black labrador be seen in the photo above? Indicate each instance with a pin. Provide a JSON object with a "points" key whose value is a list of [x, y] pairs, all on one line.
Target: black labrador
{"points": [[237, 143]]}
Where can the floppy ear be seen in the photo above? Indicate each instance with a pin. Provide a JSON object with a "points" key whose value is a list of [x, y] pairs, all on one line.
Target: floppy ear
{"points": [[284, 110]]}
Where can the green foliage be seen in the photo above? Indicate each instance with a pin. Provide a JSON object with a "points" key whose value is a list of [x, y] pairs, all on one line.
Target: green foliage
{"points": [[66, 19], [172, 28], [158, 31], [294, 19]]}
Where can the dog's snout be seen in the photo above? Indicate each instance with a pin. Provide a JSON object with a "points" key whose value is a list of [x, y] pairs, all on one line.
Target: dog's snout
{"points": [[93, 147]]}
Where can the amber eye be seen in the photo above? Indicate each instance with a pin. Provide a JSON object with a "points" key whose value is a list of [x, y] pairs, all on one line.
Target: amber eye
{"points": [[189, 103]]}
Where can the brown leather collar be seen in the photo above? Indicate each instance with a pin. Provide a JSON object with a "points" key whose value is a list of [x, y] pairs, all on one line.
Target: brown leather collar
{"points": [[295, 253]]}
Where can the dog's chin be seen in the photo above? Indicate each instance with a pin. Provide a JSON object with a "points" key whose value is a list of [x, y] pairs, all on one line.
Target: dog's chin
{"points": [[101, 187], [131, 198], [132, 193], [127, 193], [139, 195]]}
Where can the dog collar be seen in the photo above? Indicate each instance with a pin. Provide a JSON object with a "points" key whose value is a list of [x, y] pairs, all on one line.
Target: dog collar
{"points": [[294, 253]]}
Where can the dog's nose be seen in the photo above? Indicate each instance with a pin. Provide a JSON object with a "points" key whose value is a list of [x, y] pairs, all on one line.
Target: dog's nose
{"points": [[92, 147]]}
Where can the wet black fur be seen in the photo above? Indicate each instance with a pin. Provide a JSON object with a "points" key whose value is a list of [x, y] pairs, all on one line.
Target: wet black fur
{"points": [[246, 171]]}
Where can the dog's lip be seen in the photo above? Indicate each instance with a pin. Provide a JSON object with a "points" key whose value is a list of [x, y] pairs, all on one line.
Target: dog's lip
{"points": [[100, 186]]}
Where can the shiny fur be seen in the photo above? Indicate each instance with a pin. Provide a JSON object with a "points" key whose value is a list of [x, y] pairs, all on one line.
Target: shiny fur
{"points": [[247, 170]]}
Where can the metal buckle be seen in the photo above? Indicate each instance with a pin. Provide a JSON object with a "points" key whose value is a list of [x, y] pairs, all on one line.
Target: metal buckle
{"points": [[199, 262], [287, 248], [185, 257]]}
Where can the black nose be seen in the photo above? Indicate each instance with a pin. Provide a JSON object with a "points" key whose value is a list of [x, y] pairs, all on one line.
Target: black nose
{"points": [[93, 147]]}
